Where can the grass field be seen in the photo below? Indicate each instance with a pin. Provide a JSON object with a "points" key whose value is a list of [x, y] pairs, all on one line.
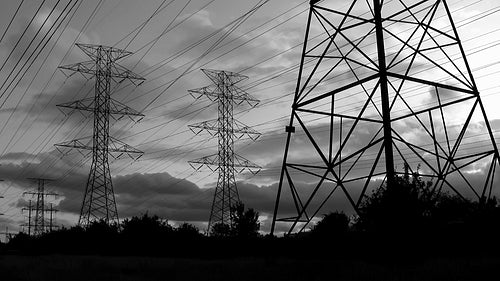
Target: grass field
{"points": [[93, 268]]}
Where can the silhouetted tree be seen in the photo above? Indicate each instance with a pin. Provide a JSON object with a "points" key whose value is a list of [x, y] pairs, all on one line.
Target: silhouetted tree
{"points": [[336, 223], [451, 209], [220, 230], [411, 205], [102, 228], [244, 223], [20, 241], [405, 205], [145, 226], [187, 231]]}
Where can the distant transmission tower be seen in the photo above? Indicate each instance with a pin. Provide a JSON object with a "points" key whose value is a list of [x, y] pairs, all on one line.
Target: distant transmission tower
{"points": [[383, 85], [40, 223], [99, 199], [8, 234], [29, 217], [226, 94], [52, 211], [1, 197]]}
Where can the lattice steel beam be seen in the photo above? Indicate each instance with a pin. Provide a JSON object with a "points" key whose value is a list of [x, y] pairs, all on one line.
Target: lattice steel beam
{"points": [[417, 106]]}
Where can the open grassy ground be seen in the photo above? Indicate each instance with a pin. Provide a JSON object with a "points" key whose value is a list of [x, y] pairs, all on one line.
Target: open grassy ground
{"points": [[93, 268]]}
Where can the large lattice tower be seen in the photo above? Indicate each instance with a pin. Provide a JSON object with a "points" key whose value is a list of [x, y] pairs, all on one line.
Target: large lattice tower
{"points": [[99, 199], [383, 85], [226, 128]]}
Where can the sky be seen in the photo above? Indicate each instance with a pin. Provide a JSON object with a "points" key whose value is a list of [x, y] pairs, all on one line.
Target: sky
{"points": [[169, 49]]}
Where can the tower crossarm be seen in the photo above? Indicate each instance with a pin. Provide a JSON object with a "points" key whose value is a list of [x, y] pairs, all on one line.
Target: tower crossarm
{"points": [[118, 146], [209, 161], [212, 126], [114, 53], [89, 68], [83, 143], [215, 76], [244, 164], [213, 93], [240, 163], [115, 146], [44, 194], [87, 104]]}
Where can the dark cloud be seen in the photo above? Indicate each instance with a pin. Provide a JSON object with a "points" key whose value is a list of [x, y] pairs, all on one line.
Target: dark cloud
{"points": [[181, 200], [8, 224], [162, 194], [48, 165], [144, 185]]}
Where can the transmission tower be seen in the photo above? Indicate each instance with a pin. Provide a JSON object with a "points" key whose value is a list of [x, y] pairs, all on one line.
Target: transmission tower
{"points": [[8, 234], [99, 199], [1, 197], [29, 218], [52, 211], [226, 162], [382, 85], [40, 222]]}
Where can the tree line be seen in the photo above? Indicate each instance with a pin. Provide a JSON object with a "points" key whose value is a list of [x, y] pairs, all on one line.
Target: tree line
{"points": [[407, 218]]}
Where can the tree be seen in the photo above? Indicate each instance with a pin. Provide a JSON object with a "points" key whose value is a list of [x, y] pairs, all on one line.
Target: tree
{"points": [[244, 223], [145, 226], [411, 205], [336, 223], [406, 205], [187, 231], [220, 230], [102, 228]]}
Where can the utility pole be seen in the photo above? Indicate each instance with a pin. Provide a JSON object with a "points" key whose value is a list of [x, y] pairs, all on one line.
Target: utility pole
{"points": [[99, 199], [377, 101], [226, 162]]}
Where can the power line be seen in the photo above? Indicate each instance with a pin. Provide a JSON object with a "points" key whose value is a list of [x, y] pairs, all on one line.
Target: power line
{"points": [[11, 20]]}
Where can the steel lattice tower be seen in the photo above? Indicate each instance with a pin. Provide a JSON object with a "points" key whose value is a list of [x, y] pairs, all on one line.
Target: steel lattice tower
{"points": [[226, 94], [30, 210], [383, 85], [99, 199], [39, 223]]}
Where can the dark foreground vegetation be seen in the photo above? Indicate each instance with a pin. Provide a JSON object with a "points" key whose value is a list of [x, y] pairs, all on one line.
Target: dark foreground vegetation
{"points": [[405, 232]]}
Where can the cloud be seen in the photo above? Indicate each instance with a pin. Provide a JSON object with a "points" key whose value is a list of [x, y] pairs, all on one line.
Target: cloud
{"points": [[162, 194], [8, 225]]}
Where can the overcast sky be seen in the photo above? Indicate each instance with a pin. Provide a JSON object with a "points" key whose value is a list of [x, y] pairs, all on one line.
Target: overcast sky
{"points": [[263, 47]]}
